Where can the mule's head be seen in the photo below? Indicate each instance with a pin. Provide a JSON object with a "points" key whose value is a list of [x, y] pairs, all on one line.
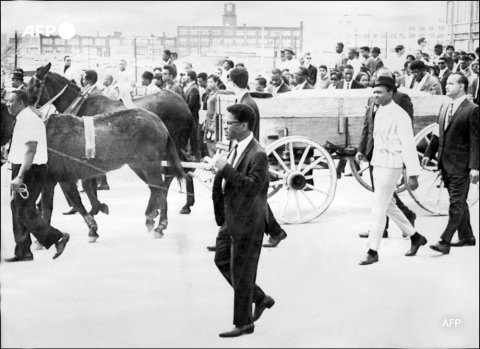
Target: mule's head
{"points": [[36, 88]]}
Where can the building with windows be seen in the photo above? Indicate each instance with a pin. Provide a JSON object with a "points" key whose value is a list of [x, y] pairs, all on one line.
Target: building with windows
{"points": [[232, 39], [462, 21]]}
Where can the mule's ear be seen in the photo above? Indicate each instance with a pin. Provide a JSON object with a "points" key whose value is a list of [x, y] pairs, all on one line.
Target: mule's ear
{"points": [[44, 70]]}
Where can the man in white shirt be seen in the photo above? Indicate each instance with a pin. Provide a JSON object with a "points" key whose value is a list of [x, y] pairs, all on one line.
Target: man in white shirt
{"points": [[147, 78], [396, 62], [340, 56], [28, 156], [110, 91], [68, 72], [124, 81], [394, 148], [354, 62], [290, 63]]}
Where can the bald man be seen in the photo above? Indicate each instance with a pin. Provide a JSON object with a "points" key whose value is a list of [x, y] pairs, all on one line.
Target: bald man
{"points": [[365, 150]]}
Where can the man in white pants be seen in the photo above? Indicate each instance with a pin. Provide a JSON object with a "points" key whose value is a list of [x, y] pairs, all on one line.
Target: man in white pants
{"points": [[394, 147]]}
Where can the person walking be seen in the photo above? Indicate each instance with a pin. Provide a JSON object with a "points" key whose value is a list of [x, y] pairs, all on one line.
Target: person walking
{"points": [[240, 201], [28, 156], [394, 147], [458, 160]]}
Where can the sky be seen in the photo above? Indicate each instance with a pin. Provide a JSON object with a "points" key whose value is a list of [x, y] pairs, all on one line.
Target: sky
{"points": [[145, 18]]}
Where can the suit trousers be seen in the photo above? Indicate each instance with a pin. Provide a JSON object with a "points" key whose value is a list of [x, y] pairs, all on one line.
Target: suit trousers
{"points": [[458, 212], [26, 218], [406, 211], [237, 260], [384, 204], [272, 227]]}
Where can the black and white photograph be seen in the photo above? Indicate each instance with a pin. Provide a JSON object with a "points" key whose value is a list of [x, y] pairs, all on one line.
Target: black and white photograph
{"points": [[239, 174]]}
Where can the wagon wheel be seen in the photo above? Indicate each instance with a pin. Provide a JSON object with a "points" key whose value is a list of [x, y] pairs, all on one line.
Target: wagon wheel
{"points": [[363, 176], [431, 194], [303, 179]]}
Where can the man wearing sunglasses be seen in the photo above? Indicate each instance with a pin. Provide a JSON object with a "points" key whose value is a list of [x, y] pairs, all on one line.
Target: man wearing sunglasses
{"points": [[312, 70]]}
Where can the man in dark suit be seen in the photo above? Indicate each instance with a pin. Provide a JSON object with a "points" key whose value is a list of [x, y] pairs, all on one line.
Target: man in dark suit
{"points": [[445, 72], [348, 82], [458, 159], [239, 78], [169, 74], [301, 78], [192, 94], [312, 70], [240, 202], [278, 85], [365, 149]]}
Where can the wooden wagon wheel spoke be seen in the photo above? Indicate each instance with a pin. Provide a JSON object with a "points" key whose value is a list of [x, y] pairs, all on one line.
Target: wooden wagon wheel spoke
{"points": [[304, 157], [363, 170], [286, 202], [277, 173], [297, 201], [313, 164], [280, 161], [439, 199], [427, 177], [318, 176], [275, 183], [292, 157], [309, 186], [308, 199], [433, 185]]}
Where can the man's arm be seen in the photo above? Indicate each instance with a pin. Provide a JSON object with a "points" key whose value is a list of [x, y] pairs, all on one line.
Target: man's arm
{"points": [[406, 104], [30, 151]]}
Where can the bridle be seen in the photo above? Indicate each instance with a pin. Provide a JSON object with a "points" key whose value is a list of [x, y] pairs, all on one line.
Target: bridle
{"points": [[43, 88]]}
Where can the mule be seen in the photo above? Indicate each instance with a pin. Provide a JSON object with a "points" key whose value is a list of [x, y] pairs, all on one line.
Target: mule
{"points": [[133, 137], [167, 105]]}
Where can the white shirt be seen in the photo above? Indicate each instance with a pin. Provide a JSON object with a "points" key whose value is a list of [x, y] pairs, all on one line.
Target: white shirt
{"points": [[292, 65], [111, 92], [275, 88], [124, 79], [151, 89], [347, 84], [240, 95], [28, 128], [440, 75], [453, 108], [241, 147], [70, 74], [356, 64], [394, 140]]}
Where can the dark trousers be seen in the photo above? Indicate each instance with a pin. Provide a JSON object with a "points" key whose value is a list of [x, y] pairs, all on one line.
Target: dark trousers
{"points": [[458, 212], [26, 218], [272, 228], [237, 260], [406, 211]]}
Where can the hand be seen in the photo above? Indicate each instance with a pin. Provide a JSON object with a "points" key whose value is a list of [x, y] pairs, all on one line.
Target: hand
{"points": [[15, 185], [474, 176], [220, 161], [425, 161], [413, 182], [360, 157]]}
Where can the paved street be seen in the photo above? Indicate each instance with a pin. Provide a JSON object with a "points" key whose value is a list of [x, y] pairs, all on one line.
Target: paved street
{"points": [[128, 290]]}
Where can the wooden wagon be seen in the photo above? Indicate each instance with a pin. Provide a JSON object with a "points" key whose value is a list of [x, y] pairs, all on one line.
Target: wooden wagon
{"points": [[303, 132]]}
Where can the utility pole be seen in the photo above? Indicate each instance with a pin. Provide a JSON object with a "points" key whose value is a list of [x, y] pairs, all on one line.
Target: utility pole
{"points": [[386, 44], [135, 56], [274, 49], [16, 47]]}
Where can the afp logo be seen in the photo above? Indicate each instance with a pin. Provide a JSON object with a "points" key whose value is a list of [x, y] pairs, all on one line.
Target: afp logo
{"points": [[66, 30]]}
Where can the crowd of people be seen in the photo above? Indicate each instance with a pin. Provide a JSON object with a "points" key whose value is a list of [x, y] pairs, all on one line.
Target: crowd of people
{"points": [[241, 183]]}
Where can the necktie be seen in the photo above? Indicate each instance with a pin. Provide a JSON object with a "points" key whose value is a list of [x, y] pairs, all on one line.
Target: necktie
{"points": [[231, 161], [236, 101], [413, 83], [449, 116], [348, 86]]}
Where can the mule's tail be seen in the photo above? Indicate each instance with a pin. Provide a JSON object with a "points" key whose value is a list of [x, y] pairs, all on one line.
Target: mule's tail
{"points": [[194, 146], [175, 166]]}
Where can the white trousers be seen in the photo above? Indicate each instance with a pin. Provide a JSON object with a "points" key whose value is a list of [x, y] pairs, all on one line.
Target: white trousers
{"points": [[386, 180]]}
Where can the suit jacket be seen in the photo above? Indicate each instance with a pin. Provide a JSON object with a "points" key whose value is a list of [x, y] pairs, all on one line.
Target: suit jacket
{"points": [[458, 145], [307, 86], [444, 78], [221, 85], [192, 97], [176, 88], [473, 90], [283, 88], [248, 100], [366, 140], [355, 85], [243, 205], [312, 75]]}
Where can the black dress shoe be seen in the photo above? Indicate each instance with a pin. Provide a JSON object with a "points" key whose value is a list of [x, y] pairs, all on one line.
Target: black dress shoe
{"points": [[365, 235], [274, 241], [413, 250], [19, 259], [211, 248], [465, 242], [72, 211], [61, 244], [238, 331], [369, 260], [266, 303], [442, 248]]}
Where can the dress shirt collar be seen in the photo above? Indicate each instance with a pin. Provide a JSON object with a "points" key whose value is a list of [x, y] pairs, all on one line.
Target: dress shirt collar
{"points": [[187, 86], [345, 84], [240, 95], [456, 103], [275, 88], [241, 146], [300, 86]]}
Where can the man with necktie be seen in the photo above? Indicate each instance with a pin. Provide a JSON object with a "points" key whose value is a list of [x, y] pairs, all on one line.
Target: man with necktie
{"points": [[458, 159]]}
